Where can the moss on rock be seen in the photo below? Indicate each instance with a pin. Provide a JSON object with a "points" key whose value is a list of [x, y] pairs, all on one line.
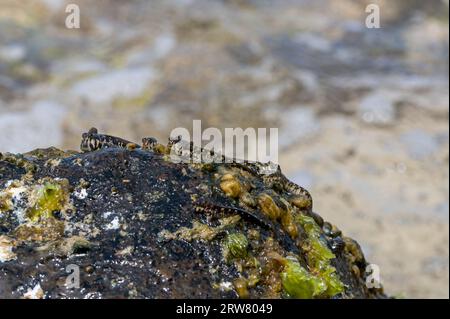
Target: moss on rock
{"points": [[235, 246]]}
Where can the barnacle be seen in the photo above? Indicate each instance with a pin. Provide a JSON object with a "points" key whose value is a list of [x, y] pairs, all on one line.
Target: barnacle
{"points": [[300, 201], [288, 219], [354, 250], [231, 186], [284, 215], [269, 207], [289, 225]]}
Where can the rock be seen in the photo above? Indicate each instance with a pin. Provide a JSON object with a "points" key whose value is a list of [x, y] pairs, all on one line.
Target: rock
{"points": [[136, 225]]}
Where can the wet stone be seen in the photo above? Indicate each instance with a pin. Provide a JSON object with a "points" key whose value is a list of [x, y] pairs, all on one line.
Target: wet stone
{"points": [[150, 237]]}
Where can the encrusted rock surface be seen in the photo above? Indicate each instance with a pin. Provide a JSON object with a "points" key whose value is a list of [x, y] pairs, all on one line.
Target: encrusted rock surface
{"points": [[137, 225], [362, 112]]}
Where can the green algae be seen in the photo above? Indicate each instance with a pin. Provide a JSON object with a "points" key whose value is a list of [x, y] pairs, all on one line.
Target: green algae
{"points": [[319, 257], [46, 230], [299, 283], [50, 197], [235, 246]]}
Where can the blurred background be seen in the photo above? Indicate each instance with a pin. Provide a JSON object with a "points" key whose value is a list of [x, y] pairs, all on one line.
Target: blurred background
{"points": [[362, 113]]}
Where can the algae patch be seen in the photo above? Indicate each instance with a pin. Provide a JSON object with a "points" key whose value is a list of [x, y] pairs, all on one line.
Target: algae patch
{"points": [[46, 230], [48, 198], [33, 206], [319, 256], [316, 279], [299, 283], [235, 246]]}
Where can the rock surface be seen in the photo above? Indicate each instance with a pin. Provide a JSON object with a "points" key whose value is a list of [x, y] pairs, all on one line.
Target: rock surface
{"points": [[133, 224], [253, 64]]}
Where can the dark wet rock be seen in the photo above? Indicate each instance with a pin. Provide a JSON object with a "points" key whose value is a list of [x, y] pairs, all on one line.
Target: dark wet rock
{"points": [[136, 226]]}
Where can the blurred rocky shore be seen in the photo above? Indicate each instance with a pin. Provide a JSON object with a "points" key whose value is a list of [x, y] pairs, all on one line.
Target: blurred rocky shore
{"points": [[362, 113]]}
